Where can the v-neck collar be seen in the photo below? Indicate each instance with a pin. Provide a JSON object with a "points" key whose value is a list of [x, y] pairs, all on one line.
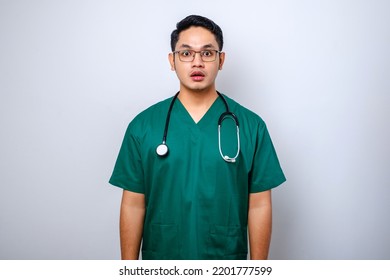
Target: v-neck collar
{"points": [[215, 109]]}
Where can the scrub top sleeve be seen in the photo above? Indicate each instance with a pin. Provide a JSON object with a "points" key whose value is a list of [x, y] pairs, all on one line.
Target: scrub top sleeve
{"points": [[128, 171], [266, 171]]}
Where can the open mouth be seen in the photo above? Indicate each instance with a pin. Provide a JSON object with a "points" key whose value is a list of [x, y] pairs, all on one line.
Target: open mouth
{"points": [[197, 75]]}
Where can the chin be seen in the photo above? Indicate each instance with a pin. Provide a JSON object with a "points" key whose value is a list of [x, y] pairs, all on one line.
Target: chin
{"points": [[199, 88]]}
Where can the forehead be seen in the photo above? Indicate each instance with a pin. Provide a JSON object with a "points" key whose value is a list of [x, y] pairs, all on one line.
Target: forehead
{"points": [[196, 37]]}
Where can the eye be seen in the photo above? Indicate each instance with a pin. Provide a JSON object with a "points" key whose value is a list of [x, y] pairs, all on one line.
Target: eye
{"points": [[207, 53], [185, 53]]}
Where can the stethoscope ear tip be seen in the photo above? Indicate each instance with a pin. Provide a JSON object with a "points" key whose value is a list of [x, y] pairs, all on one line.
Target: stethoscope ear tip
{"points": [[229, 159]]}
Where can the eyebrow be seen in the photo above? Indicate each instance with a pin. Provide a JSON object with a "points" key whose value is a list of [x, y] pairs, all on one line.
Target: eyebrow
{"points": [[208, 46]]}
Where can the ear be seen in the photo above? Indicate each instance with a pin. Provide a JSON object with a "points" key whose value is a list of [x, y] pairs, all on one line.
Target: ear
{"points": [[171, 59], [221, 60]]}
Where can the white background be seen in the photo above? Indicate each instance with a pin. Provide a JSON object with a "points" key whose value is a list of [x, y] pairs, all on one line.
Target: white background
{"points": [[74, 73]]}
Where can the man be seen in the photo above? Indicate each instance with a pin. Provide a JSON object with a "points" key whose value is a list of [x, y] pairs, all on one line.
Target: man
{"points": [[200, 197]]}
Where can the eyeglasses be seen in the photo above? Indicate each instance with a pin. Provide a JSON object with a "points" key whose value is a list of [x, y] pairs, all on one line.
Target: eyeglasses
{"points": [[189, 55]]}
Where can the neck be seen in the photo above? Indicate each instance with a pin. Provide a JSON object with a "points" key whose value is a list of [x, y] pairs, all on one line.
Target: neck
{"points": [[197, 103], [192, 98]]}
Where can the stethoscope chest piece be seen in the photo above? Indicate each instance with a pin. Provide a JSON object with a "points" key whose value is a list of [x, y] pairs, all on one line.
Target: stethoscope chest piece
{"points": [[162, 150]]}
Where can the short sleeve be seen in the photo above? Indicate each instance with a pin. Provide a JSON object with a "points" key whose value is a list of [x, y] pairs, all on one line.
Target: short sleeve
{"points": [[128, 171], [266, 171]]}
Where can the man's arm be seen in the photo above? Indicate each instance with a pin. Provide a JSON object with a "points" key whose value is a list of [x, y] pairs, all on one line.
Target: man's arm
{"points": [[131, 224], [260, 224]]}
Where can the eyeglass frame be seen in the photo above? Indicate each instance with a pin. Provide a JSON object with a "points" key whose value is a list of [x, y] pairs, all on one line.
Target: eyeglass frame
{"points": [[200, 52]]}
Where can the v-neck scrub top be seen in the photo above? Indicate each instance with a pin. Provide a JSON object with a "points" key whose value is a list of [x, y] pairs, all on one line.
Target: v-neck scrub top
{"points": [[196, 203]]}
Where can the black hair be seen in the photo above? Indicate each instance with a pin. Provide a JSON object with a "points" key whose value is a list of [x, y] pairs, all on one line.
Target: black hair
{"points": [[198, 21]]}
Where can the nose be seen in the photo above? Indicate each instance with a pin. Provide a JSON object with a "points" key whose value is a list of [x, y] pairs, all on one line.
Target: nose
{"points": [[197, 62]]}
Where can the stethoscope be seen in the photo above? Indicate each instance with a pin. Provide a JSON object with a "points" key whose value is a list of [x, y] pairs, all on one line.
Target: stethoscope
{"points": [[162, 149]]}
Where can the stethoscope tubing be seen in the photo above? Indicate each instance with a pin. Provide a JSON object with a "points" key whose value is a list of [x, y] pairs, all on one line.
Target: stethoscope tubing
{"points": [[225, 115], [162, 149], [169, 118]]}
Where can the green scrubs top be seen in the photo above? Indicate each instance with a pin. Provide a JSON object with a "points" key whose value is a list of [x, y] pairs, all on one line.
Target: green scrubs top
{"points": [[196, 203]]}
